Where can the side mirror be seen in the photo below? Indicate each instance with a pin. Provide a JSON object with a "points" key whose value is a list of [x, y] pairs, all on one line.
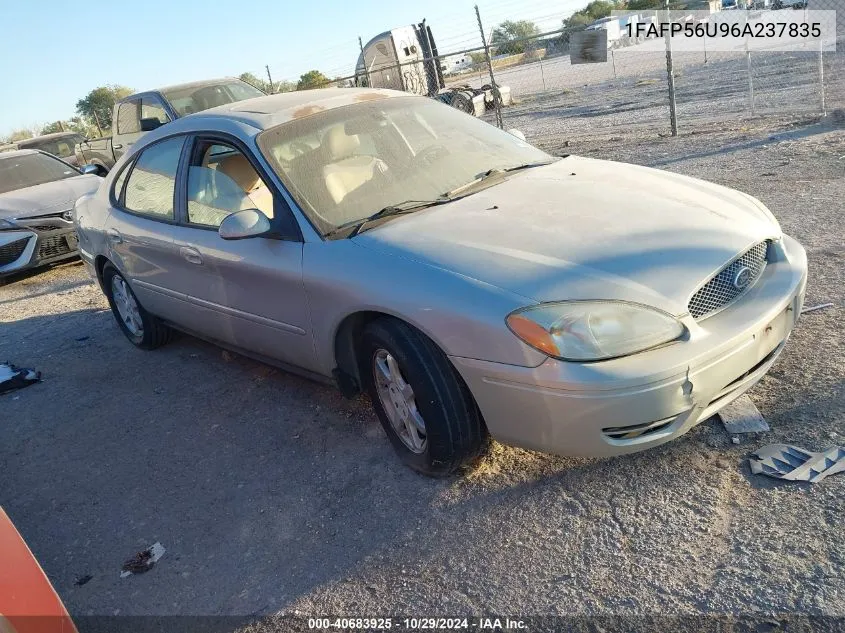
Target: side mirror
{"points": [[89, 169], [517, 134], [244, 224], [148, 125]]}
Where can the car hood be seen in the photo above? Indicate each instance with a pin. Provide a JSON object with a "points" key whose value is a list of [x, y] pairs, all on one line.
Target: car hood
{"points": [[585, 229], [50, 197]]}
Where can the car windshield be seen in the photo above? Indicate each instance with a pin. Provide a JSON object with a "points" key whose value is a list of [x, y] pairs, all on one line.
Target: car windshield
{"points": [[345, 164], [61, 147], [28, 170], [198, 98]]}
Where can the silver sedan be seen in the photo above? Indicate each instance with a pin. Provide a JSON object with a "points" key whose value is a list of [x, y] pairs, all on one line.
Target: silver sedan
{"points": [[37, 194], [471, 284]]}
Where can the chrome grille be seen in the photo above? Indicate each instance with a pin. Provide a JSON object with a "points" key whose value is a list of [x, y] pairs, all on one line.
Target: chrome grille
{"points": [[723, 289], [11, 251]]}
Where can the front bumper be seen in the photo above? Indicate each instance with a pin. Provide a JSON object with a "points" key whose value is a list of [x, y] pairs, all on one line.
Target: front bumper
{"points": [[36, 242], [640, 401]]}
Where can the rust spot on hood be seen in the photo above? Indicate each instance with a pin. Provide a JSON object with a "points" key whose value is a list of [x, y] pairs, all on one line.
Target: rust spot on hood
{"points": [[370, 96], [307, 111]]}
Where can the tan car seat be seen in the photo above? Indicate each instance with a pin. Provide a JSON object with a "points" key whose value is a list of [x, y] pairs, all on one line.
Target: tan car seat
{"points": [[345, 171], [238, 168]]}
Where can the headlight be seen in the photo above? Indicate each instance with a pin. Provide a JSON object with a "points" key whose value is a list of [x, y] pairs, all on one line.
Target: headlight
{"points": [[593, 330], [5, 224]]}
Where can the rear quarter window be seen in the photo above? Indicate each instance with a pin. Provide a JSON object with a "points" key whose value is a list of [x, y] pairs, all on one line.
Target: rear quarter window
{"points": [[151, 183], [128, 121]]}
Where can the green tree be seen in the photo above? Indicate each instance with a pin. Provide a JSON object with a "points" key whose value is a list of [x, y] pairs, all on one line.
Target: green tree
{"points": [[285, 86], [644, 5], [98, 104], [579, 20], [277, 86], [20, 135], [511, 30], [55, 126], [255, 82], [312, 79]]}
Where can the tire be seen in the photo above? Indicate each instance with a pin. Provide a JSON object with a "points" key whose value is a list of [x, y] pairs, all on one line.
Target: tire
{"points": [[153, 333], [454, 430]]}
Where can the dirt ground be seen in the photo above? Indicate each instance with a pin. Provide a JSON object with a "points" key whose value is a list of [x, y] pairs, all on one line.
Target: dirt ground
{"points": [[272, 493]]}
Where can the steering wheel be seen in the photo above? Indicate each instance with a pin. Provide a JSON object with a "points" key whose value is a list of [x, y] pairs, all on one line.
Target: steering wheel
{"points": [[431, 153]]}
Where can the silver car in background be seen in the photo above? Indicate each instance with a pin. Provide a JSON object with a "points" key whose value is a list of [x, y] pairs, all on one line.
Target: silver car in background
{"points": [[37, 194], [471, 284]]}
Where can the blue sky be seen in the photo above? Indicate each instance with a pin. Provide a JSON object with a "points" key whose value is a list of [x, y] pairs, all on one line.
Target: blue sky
{"points": [[58, 50]]}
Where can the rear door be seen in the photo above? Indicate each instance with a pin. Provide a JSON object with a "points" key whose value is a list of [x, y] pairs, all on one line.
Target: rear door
{"points": [[247, 293], [139, 227], [127, 128]]}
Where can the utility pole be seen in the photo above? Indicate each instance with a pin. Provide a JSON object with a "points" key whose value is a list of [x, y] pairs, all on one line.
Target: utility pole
{"points": [[496, 97], [670, 72], [270, 79], [364, 60]]}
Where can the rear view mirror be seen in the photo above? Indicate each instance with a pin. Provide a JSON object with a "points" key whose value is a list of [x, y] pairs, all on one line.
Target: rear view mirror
{"points": [[244, 224], [517, 134], [148, 125]]}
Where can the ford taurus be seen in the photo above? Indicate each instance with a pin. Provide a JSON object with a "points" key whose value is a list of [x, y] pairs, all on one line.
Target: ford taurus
{"points": [[473, 285]]}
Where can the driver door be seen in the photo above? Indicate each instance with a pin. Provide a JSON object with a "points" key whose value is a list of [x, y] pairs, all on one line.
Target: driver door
{"points": [[246, 293]]}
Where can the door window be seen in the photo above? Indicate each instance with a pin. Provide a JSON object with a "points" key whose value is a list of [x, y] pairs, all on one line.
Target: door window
{"points": [[152, 181], [128, 121], [151, 108], [222, 181]]}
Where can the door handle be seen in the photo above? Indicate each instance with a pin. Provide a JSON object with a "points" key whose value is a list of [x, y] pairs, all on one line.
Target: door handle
{"points": [[114, 236], [191, 255], [117, 146]]}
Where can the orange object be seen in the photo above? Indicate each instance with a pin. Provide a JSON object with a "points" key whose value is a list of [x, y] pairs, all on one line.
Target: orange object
{"points": [[28, 602]]}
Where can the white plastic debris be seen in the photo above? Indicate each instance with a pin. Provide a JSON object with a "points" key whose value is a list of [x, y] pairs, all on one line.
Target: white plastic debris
{"points": [[143, 561], [12, 377], [741, 416], [796, 464]]}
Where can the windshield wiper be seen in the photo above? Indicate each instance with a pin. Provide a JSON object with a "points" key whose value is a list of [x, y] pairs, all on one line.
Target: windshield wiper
{"points": [[491, 174], [530, 165], [353, 228]]}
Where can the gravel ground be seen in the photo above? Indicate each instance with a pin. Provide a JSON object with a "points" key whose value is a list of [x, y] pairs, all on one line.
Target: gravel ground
{"points": [[629, 92], [272, 493]]}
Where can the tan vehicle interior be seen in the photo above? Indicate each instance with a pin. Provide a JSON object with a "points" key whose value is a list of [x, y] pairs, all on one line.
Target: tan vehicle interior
{"points": [[345, 170], [223, 183]]}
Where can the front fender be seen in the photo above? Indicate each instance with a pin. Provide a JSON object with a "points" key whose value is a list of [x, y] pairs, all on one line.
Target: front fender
{"points": [[463, 316]]}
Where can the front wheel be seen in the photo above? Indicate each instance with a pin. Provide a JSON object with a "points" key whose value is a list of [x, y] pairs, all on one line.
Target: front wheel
{"points": [[426, 410], [141, 328]]}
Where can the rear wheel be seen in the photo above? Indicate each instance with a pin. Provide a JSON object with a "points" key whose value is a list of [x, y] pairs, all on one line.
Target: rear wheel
{"points": [[141, 328], [425, 408]]}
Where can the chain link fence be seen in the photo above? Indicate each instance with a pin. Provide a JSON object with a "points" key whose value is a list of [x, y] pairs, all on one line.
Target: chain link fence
{"points": [[532, 84]]}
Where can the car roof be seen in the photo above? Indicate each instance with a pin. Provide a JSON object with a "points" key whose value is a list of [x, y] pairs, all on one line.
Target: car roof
{"points": [[19, 152], [190, 84], [45, 137], [272, 110]]}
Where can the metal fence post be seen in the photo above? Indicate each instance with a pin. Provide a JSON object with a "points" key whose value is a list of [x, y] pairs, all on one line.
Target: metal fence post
{"points": [[750, 77], [496, 97], [542, 74], [613, 59], [670, 73], [750, 71], [821, 75]]}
